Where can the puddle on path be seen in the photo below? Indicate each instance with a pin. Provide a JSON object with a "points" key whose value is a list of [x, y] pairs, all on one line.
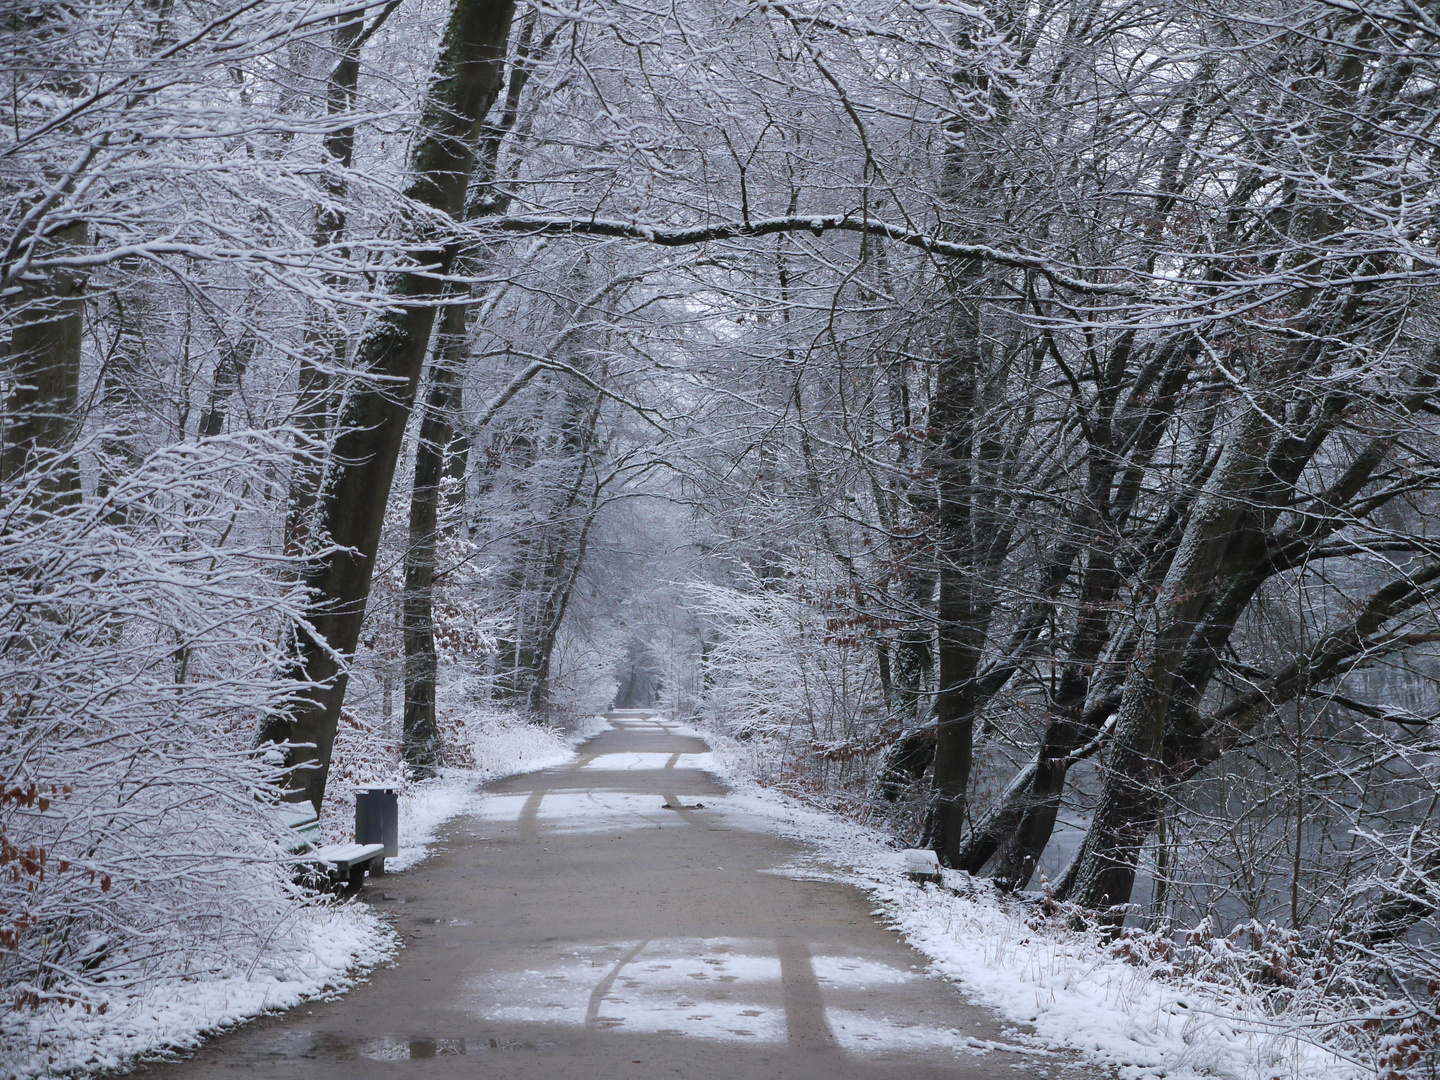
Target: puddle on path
{"points": [[311, 1045], [395, 1048]]}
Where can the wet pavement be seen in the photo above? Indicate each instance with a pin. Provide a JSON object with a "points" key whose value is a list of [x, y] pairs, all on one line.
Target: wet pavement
{"points": [[601, 920]]}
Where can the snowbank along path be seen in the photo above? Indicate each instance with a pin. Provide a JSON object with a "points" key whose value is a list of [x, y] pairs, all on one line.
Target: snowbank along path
{"points": [[600, 920]]}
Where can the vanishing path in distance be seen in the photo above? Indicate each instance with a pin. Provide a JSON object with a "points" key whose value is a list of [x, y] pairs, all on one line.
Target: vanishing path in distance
{"points": [[576, 930]]}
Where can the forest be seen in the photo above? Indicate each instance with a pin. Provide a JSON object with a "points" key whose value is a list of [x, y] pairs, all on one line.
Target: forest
{"points": [[1013, 426]]}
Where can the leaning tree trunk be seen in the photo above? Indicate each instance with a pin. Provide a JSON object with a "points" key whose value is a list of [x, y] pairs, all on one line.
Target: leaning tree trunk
{"points": [[350, 509], [1102, 875], [1123, 436]]}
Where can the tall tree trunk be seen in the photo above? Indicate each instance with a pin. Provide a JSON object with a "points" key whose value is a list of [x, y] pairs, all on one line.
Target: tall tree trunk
{"points": [[1020, 829], [1121, 442], [971, 187], [42, 366], [438, 437], [958, 639], [420, 744], [350, 508], [912, 658]]}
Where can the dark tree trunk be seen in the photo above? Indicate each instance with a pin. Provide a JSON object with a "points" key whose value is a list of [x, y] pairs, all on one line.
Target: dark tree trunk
{"points": [[1016, 832], [228, 373], [350, 509], [904, 762], [43, 367], [960, 637], [437, 427], [1253, 481], [970, 539], [1102, 875]]}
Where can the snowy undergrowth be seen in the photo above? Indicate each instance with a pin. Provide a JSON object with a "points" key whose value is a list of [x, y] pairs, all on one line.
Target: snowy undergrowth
{"points": [[1065, 988], [323, 949], [503, 745], [144, 894]]}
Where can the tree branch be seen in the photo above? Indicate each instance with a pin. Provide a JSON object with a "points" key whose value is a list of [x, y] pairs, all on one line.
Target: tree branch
{"points": [[817, 224]]}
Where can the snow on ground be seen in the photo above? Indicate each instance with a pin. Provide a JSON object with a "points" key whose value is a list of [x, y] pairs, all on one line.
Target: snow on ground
{"points": [[324, 949], [633, 762], [576, 811], [425, 808], [1062, 987], [505, 746], [657, 991], [657, 985]]}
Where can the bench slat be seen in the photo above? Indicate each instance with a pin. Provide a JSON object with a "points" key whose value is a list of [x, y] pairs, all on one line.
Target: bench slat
{"points": [[346, 855], [296, 815]]}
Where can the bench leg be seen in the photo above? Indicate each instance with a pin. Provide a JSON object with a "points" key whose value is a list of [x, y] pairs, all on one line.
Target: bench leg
{"points": [[356, 877], [377, 866]]}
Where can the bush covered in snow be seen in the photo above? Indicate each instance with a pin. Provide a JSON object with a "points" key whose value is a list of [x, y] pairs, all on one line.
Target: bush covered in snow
{"points": [[791, 680], [138, 844]]}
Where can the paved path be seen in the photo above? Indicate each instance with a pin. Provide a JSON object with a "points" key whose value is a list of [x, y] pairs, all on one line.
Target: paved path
{"points": [[575, 930]]}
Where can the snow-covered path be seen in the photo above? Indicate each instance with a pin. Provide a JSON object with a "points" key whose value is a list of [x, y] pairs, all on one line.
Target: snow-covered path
{"points": [[574, 927]]}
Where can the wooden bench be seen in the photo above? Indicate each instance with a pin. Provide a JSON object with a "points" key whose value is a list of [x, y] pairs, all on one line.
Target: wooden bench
{"points": [[342, 862], [304, 826], [348, 862]]}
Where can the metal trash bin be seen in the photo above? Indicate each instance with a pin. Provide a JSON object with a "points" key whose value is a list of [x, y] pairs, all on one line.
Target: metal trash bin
{"points": [[377, 819]]}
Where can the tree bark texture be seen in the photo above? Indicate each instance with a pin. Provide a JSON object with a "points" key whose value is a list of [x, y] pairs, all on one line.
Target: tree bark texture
{"points": [[43, 369], [420, 740], [960, 636], [1102, 875], [442, 452], [1017, 831]]}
